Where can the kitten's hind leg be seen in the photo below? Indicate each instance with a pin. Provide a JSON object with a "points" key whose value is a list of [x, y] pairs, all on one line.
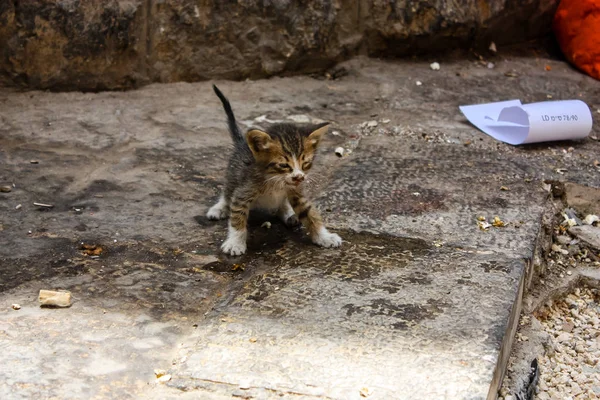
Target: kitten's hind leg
{"points": [[287, 215], [219, 210]]}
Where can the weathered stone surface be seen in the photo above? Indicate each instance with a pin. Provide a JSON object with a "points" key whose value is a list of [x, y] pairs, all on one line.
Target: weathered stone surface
{"points": [[72, 44], [419, 289], [588, 234], [110, 44], [584, 199]]}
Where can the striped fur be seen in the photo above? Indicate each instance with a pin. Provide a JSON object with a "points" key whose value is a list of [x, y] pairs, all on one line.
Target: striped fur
{"points": [[268, 169]]}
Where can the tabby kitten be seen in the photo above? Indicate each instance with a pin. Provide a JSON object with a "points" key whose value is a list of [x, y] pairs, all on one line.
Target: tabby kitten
{"points": [[267, 170]]}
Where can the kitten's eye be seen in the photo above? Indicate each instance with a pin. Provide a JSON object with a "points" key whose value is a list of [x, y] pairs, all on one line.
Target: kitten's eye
{"points": [[284, 167], [306, 166]]}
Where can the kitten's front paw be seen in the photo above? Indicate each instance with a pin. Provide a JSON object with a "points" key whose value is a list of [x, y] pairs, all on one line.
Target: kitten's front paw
{"points": [[327, 239], [234, 247], [217, 212]]}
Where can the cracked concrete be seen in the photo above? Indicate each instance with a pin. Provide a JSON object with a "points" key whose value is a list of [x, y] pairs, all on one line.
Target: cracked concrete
{"points": [[418, 303]]}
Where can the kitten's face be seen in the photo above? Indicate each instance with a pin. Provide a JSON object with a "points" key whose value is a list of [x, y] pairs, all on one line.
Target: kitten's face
{"points": [[286, 153]]}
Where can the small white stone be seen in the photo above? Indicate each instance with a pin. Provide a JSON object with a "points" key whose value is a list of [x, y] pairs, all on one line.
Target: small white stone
{"points": [[434, 66], [563, 337], [493, 47], [418, 83], [266, 224], [372, 124], [16, 306]]}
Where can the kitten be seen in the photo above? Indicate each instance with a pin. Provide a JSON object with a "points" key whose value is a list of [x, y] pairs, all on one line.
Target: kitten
{"points": [[267, 170]]}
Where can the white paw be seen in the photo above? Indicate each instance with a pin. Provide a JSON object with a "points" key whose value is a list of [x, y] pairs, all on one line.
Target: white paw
{"points": [[234, 246], [218, 211], [327, 239]]}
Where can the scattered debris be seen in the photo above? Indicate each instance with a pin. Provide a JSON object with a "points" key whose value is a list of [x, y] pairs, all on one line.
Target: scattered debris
{"points": [[339, 151], [558, 249], [91, 249], [434, 66], [588, 234], [497, 222], [159, 372], [560, 171], [418, 83], [252, 340], [491, 65], [238, 267], [366, 392], [5, 189], [163, 378], [18, 207], [335, 133], [42, 205], [51, 298], [511, 74], [266, 224], [504, 188], [548, 68], [570, 218], [15, 306], [372, 124], [385, 121], [492, 47], [590, 219], [34, 162], [483, 224]]}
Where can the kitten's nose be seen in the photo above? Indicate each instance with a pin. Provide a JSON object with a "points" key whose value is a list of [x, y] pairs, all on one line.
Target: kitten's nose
{"points": [[298, 178]]}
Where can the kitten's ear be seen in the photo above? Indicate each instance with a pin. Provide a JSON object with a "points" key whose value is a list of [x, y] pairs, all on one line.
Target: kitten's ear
{"points": [[258, 141], [315, 136]]}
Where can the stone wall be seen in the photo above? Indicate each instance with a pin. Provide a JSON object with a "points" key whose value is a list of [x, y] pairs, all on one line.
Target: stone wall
{"points": [[117, 44]]}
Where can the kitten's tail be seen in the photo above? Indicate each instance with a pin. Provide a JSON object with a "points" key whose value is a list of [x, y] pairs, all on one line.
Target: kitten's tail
{"points": [[234, 130]]}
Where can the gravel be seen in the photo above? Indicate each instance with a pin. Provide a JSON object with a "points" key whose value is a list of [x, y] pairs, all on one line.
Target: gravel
{"points": [[570, 369]]}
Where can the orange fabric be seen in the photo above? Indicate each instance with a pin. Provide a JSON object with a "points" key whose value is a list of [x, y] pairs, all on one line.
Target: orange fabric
{"points": [[577, 29]]}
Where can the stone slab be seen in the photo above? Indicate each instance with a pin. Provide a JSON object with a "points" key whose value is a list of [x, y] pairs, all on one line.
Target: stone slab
{"points": [[417, 283]]}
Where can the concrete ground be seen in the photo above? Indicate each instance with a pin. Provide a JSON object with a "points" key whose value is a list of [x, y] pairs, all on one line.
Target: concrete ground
{"points": [[418, 303]]}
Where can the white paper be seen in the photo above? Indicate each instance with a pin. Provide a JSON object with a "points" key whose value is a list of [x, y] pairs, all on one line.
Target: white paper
{"points": [[516, 123]]}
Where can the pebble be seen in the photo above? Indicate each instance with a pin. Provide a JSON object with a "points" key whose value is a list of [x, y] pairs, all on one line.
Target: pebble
{"points": [[434, 66], [16, 306], [418, 83], [5, 189]]}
